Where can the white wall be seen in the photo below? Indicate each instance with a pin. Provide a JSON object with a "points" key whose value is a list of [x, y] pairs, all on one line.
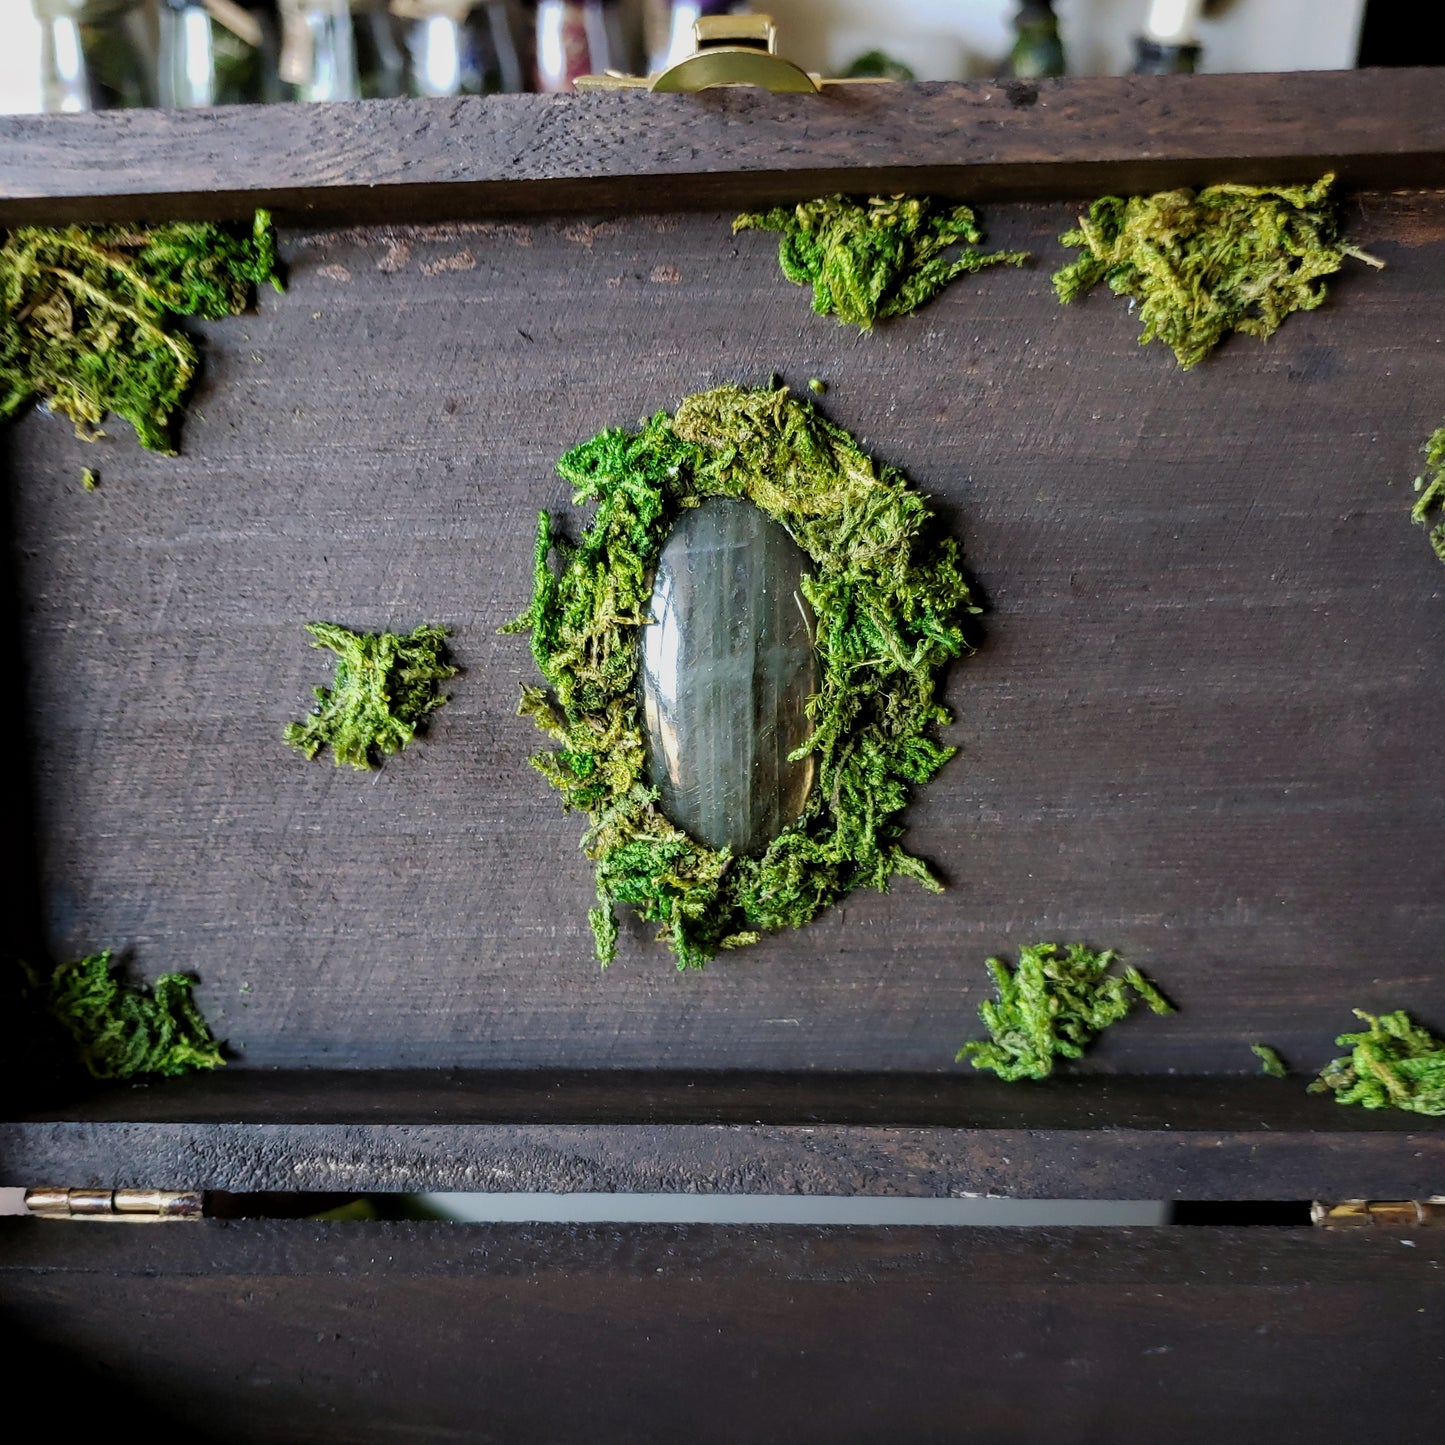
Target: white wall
{"points": [[19, 58], [949, 39]]}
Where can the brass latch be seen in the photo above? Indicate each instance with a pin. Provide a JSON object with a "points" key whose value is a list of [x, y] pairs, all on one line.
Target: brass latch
{"points": [[1381, 1213], [129, 1206], [729, 50]]}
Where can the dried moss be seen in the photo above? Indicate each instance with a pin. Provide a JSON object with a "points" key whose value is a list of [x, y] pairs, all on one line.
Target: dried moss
{"points": [[123, 1030], [1200, 264], [1394, 1064], [873, 258], [87, 315], [891, 605], [383, 689], [1051, 1007], [1269, 1061], [1431, 489]]}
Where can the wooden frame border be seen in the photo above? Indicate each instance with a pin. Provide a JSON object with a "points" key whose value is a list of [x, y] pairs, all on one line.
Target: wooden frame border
{"points": [[405, 161], [418, 160]]}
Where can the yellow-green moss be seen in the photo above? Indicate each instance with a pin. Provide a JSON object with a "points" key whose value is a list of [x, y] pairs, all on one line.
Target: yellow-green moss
{"points": [[1393, 1064], [1051, 1006], [381, 692], [1430, 486], [1200, 264], [1269, 1061], [87, 315]]}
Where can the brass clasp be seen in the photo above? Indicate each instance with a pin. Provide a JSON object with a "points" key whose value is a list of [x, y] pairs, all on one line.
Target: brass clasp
{"points": [[730, 50]]}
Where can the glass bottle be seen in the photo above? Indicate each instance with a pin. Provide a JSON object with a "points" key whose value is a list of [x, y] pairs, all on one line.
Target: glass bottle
{"points": [[340, 50], [459, 47], [380, 60], [577, 37], [511, 72], [215, 52], [318, 50], [93, 55], [1155, 57], [1169, 44], [1038, 51]]}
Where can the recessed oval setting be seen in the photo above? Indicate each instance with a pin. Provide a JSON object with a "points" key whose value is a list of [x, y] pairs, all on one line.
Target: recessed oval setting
{"points": [[727, 665]]}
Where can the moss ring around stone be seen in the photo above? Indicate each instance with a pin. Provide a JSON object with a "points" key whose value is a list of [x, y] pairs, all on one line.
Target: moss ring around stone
{"points": [[887, 608]]}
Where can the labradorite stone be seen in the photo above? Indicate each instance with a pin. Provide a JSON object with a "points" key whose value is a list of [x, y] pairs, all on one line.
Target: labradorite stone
{"points": [[727, 666]]}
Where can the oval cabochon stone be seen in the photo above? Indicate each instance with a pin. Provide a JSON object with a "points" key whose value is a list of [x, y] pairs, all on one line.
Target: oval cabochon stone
{"points": [[727, 667]]}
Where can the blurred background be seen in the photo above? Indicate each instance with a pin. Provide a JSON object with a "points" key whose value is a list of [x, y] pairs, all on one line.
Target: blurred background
{"points": [[75, 55]]}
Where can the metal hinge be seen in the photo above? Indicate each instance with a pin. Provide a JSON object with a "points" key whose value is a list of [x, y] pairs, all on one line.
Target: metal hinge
{"points": [[729, 50], [1381, 1213], [127, 1206]]}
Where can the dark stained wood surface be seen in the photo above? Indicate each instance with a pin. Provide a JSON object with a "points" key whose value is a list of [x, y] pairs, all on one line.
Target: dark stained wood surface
{"points": [[368, 1333], [1264, 1158], [1198, 728], [452, 159], [869, 1134]]}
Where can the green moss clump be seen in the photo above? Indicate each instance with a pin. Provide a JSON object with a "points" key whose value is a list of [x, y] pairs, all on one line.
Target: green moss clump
{"points": [[867, 260], [382, 690], [1200, 264], [891, 606], [1394, 1064], [1431, 498], [1051, 1006], [878, 64], [1269, 1061], [123, 1030], [87, 315]]}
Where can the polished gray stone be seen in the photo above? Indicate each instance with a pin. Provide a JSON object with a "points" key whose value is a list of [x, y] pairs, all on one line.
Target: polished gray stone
{"points": [[727, 664]]}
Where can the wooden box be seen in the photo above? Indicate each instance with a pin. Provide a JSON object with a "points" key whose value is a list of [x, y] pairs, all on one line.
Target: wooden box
{"points": [[1201, 728]]}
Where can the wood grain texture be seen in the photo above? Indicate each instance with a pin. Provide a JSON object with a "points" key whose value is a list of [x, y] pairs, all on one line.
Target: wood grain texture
{"points": [[465, 159], [367, 1333], [727, 1133], [1196, 730]]}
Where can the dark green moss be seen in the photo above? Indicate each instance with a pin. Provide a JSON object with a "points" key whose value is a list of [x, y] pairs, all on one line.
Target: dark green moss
{"points": [[878, 64], [891, 605], [87, 315], [870, 259], [381, 693], [1431, 488], [1051, 1007], [1393, 1064], [1200, 264], [123, 1030]]}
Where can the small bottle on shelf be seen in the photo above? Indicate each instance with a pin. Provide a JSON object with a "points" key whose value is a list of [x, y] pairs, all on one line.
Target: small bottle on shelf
{"points": [[215, 52], [1038, 51], [318, 50], [340, 50], [94, 55], [459, 47], [380, 59], [1169, 45], [577, 37]]}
